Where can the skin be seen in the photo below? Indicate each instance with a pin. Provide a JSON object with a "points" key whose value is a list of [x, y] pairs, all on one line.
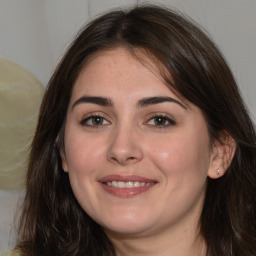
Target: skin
{"points": [[129, 139]]}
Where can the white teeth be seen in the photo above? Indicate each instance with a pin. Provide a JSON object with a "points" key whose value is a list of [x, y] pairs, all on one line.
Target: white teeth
{"points": [[114, 184], [121, 184], [128, 184], [136, 184]]}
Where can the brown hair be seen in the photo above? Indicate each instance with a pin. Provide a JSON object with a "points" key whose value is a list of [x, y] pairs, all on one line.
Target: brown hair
{"points": [[52, 221]]}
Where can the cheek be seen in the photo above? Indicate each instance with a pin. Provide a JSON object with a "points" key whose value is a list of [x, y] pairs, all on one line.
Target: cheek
{"points": [[183, 164], [181, 156], [83, 156], [83, 153]]}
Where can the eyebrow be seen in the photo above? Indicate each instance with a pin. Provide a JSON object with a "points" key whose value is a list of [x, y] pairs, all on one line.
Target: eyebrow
{"points": [[157, 100], [105, 102]]}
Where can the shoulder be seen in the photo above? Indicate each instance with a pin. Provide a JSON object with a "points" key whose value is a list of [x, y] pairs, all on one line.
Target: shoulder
{"points": [[10, 253]]}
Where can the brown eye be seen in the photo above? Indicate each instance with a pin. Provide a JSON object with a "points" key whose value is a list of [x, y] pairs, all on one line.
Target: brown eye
{"points": [[94, 121], [161, 121], [97, 120]]}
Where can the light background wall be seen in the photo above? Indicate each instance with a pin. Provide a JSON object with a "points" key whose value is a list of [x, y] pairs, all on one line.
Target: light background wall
{"points": [[35, 33]]}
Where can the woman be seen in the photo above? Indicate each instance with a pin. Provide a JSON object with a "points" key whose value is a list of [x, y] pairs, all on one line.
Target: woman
{"points": [[143, 146]]}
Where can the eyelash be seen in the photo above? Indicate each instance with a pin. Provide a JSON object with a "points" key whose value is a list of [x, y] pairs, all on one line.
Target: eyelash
{"points": [[161, 118], [86, 120], [164, 118]]}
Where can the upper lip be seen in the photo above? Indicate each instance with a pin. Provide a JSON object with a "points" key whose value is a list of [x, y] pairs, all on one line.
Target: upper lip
{"points": [[125, 178]]}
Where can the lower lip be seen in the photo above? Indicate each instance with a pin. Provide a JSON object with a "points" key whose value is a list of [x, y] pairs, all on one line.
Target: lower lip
{"points": [[126, 192]]}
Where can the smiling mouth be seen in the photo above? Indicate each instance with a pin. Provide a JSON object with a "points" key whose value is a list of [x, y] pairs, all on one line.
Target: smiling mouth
{"points": [[126, 186]]}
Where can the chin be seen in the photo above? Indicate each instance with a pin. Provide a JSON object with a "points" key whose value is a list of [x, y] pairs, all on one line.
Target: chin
{"points": [[128, 230], [128, 226]]}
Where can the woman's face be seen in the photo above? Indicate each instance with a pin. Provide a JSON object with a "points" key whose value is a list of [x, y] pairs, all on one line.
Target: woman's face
{"points": [[137, 155]]}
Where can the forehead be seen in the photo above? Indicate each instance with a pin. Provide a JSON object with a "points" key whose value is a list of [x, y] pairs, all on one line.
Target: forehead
{"points": [[120, 70]]}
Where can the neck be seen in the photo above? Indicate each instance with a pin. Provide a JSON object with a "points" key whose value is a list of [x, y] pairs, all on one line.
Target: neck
{"points": [[179, 243]]}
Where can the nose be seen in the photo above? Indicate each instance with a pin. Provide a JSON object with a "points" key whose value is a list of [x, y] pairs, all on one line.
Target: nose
{"points": [[124, 147]]}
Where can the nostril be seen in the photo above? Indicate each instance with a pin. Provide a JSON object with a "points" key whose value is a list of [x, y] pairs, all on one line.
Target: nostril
{"points": [[124, 160], [124, 153]]}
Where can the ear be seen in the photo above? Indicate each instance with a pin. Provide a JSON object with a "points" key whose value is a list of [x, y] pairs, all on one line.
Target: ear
{"points": [[223, 151], [64, 161]]}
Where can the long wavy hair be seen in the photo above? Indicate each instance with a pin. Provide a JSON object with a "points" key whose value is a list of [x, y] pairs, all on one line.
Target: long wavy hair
{"points": [[53, 223]]}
